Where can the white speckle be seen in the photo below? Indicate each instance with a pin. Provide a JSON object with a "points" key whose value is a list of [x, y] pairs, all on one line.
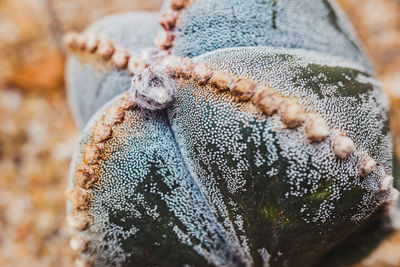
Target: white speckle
{"points": [[265, 256]]}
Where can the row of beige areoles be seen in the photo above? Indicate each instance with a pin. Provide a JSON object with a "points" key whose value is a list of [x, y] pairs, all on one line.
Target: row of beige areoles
{"points": [[270, 102], [243, 89], [169, 19], [105, 49], [85, 176], [264, 97]]}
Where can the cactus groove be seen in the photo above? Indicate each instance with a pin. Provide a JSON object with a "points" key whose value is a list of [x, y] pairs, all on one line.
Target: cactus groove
{"points": [[246, 137]]}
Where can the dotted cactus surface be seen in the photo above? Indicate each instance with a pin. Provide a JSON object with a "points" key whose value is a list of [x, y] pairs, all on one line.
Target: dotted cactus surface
{"points": [[272, 177], [213, 180], [318, 26], [89, 83]]}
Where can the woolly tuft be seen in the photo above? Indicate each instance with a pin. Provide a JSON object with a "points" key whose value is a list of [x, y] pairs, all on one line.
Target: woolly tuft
{"points": [[153, 88]]}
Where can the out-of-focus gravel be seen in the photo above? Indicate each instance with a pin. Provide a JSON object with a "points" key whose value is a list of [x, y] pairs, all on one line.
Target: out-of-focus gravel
{"points": [[377, 22], [37, 137]]}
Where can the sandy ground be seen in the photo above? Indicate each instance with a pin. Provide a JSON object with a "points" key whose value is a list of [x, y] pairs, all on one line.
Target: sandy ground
{"points": [[37, 134]]}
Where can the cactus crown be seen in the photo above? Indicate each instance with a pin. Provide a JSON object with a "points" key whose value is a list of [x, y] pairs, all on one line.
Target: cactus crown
{"points": [[213, 153]]}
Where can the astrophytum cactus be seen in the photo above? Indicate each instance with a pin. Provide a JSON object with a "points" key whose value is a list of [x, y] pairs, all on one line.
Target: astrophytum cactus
{"points": [[251, 133]]}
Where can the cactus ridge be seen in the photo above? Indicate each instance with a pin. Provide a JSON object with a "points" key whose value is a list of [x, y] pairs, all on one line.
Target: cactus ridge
{"points": [[264, 100], [208, 25], [244, 144], [267, 99], [169, 20]]}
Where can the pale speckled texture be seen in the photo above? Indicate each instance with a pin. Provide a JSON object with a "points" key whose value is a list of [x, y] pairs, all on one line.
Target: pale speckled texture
{"points": [[264, 182], [346, 95], [230, 149], [208, 25], [145, 189], [27, 188], [255, 174], [91, 85]]}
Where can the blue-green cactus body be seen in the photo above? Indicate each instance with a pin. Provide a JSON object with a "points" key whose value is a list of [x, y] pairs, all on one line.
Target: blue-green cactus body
{"points": [[146, 207], [90, 83], [211, 180], [315, 25]]}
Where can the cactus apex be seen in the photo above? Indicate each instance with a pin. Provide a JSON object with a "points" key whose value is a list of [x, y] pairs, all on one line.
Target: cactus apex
{"points": [[367, 165], [316, 129], [292, 114], [221, 80], [153, 88], [343, 146], [79, 243]]}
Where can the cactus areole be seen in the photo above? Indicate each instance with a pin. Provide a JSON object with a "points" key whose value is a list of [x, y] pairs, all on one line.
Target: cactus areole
{"points": [[249, 133]]}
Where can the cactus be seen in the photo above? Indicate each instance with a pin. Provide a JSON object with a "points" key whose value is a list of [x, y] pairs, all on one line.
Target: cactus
{"points": [[249, 136]]}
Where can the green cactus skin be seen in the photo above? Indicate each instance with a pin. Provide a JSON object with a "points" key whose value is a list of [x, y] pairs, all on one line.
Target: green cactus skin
{"points": [[396, 171], [212, 181], [89, 82], [255, 168], [318, 26], [148, 201]]}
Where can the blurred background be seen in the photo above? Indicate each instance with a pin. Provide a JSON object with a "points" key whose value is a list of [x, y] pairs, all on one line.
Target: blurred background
{"points": [[37, 134]]}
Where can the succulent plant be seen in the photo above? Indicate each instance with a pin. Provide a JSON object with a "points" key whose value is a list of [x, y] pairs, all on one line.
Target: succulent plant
{"points": [[253, 134]]}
